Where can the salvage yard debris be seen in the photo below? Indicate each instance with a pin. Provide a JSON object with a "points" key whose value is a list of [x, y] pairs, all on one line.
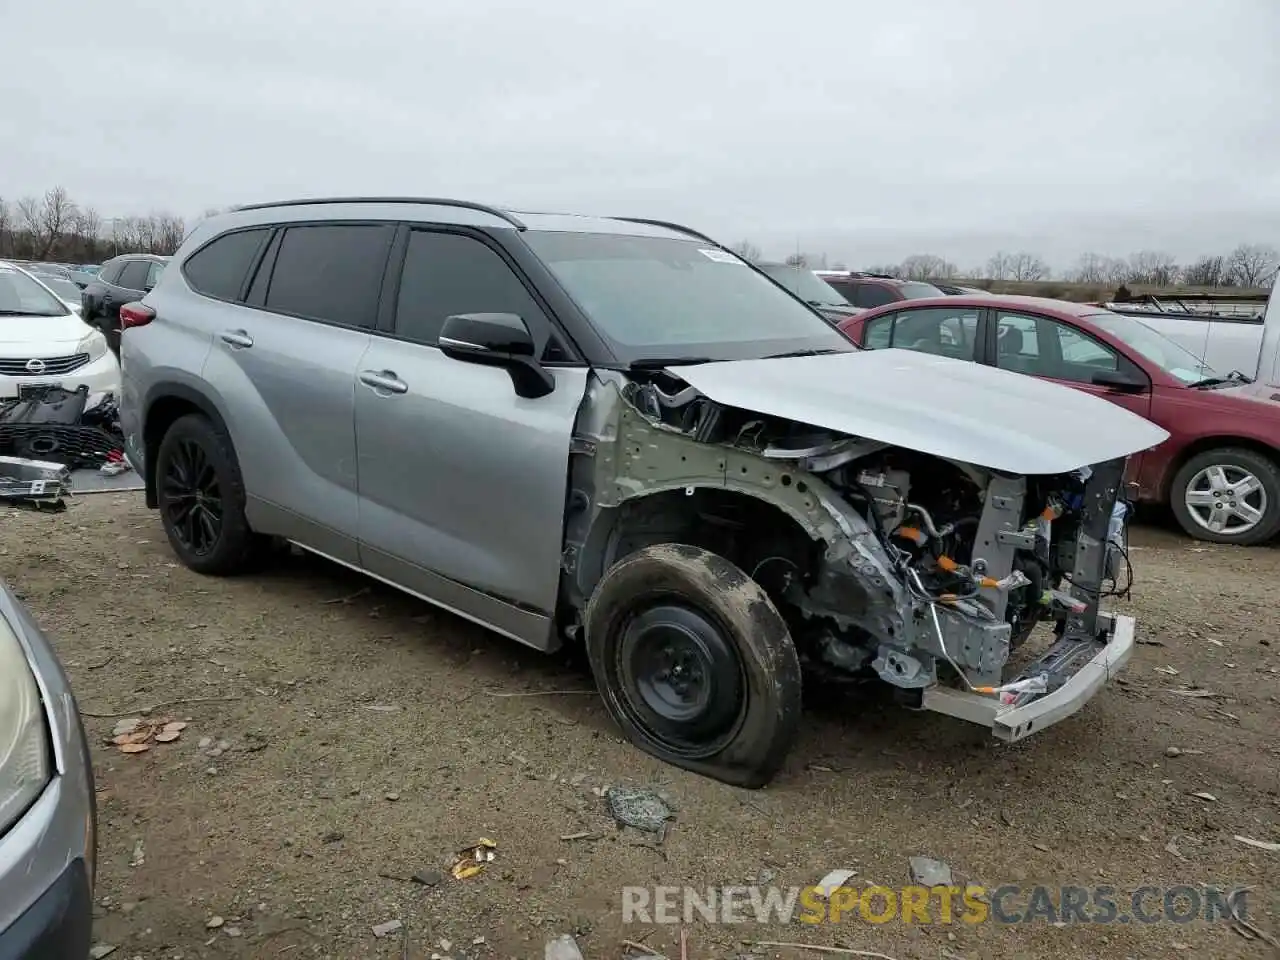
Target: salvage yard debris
{"points": [[471, 860], [136, 735]]}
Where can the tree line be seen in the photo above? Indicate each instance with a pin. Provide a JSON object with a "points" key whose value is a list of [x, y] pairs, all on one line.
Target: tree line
{"points": [[54, 228], [1249, 265]]}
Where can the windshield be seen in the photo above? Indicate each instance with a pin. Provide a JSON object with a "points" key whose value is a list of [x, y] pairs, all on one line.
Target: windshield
{"points": [[914, 290], [63, 288], [805, 285], [1173, 359], [667, 299], [21, 296]]}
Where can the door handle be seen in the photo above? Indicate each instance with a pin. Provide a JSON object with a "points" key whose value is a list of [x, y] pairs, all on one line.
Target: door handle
{"points": [[383, 381], [237, 338]]}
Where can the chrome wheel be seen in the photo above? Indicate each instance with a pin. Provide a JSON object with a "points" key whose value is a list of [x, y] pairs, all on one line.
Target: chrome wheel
{"points": [[1226, 499]]}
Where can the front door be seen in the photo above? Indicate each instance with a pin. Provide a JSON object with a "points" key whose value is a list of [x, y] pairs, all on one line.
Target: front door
{"points": [[463, 483], [1042, 347]]}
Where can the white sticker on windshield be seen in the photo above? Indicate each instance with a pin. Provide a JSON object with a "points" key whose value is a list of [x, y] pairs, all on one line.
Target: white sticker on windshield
{"points": [[720, 256]]}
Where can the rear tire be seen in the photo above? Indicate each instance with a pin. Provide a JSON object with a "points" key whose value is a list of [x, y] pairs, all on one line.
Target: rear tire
{"points": [[1229, 495], [201, 498], [695, 663]]}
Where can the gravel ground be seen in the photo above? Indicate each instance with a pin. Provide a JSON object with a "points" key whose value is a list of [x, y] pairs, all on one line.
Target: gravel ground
{"points": [[369, 737]]}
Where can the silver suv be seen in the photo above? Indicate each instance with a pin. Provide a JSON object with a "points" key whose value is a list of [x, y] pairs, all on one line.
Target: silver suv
{"points": [[615, 432]]}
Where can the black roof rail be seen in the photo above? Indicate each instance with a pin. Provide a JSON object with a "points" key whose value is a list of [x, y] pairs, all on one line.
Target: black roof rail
{"points": [[437, 201], [678, 228]]}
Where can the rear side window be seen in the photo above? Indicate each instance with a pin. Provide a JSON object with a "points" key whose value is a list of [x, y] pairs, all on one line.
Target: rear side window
{"points": [[447, 274], [872, 295], [134, 276], [330, 272], [219, 269], [110, 273]]}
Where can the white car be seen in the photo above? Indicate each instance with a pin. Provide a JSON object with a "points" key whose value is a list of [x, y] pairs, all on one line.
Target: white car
{"points": [[43, 341]]}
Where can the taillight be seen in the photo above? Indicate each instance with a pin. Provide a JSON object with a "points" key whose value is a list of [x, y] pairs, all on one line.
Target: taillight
{"points": [[135, 315]]}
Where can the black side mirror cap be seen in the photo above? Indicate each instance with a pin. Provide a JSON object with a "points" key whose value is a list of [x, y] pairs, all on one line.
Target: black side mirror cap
{"points": [[1119, 380], [497, 340]]}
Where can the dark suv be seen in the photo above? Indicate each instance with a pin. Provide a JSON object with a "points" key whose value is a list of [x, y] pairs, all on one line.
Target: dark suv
{"points": [[875, 290], [121, 280]]}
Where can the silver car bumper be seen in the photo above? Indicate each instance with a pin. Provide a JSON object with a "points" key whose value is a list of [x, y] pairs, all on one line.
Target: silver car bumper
{"points": [[1012, 723]]}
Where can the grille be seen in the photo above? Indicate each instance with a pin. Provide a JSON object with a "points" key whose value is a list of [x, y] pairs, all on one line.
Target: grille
{"points": [[53, 366]]}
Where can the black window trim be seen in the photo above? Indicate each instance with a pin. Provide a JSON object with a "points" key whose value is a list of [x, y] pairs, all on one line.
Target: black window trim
{"points": [[253, 262], [391, 288]]}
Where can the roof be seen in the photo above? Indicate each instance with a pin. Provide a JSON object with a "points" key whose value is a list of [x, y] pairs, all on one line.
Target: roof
{"points": [[444, 210], [1012, 301]]}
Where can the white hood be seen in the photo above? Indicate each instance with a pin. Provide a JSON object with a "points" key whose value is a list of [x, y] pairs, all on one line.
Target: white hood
{"points": [[936, 405], [28, 331]]}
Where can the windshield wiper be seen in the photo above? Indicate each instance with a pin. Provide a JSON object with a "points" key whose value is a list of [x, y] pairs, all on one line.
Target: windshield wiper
{"points": [[819, 351], [26, 313], [1235, 376], [657, 363]]}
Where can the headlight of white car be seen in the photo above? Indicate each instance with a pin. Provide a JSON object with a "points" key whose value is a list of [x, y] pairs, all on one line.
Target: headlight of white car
{"points": [[95, 345], [24, 740]]}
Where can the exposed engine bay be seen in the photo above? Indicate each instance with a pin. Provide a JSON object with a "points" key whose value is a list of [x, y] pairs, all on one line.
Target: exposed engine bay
{"points": [[885, 562]]}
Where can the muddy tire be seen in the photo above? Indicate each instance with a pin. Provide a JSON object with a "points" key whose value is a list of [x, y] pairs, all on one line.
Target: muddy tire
{"points": [[201, 498], [695, 663], [1229, 495]]}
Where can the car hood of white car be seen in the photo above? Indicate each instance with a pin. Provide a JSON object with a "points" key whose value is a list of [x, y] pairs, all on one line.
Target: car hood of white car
{"points": [[937, 405], [33, 333]]}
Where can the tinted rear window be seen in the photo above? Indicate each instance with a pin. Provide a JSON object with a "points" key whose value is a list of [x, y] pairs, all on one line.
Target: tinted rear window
{"points": [[134, 276], [330, 272], [219, 269]]}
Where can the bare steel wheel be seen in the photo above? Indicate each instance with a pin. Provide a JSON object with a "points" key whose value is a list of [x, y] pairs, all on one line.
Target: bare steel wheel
{"points": [[1228, 496], [695, 663]]}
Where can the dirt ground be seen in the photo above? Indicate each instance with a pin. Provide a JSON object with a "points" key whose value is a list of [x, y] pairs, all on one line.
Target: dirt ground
{"points": [[371, 737]]}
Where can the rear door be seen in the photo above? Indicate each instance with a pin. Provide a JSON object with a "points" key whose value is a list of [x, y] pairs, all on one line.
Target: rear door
{"points": [[955, 332], [463, 483], [284, 364]]}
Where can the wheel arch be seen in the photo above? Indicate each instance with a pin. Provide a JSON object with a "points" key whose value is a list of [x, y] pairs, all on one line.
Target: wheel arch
{"points": [[1215, 442], [679, 513], [166, 403]]}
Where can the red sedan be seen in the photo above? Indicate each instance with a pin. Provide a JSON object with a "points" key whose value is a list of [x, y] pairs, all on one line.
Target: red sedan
{"points": [[1220, 468]]}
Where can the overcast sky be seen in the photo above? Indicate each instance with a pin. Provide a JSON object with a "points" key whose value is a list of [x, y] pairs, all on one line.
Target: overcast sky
{"points": [[870, 130]]}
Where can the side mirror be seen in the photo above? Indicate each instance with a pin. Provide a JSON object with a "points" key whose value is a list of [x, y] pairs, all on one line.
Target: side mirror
{"points": [[497, 340], [1120, 380]]}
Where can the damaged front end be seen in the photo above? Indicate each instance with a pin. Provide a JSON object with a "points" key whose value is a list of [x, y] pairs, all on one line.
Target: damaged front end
{"points": [[922, 570]]}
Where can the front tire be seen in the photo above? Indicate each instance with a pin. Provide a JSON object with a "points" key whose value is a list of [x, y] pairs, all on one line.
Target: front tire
{"points": [[695, 663], [201, 498], [1229, 495]]}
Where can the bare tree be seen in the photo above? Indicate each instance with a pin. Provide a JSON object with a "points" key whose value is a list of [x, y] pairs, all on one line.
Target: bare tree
{"points": [[1027, 266], [87, 228], [170, 231], [1206, 272], [927, 266], [47, 220], [1152, 267], [747, 251], [1090, 268], [998, 267], [5, 226], [1253, 264]]}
